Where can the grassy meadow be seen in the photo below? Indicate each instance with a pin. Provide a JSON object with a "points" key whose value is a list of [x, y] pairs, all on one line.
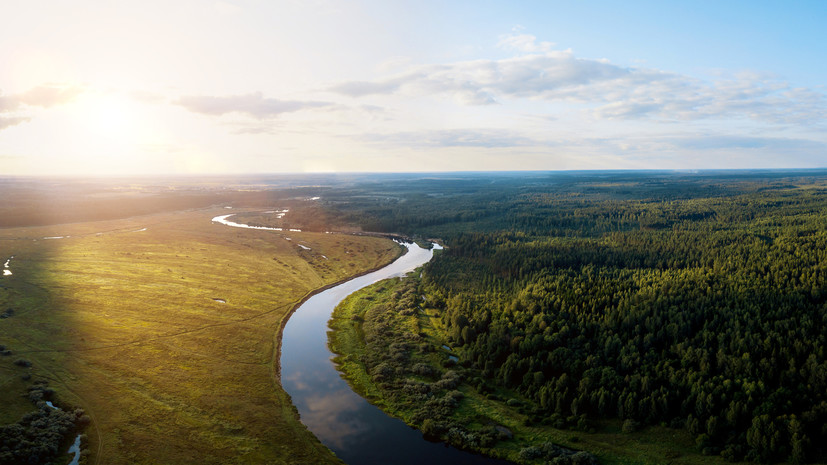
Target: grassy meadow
{"points": [[121, 318]]}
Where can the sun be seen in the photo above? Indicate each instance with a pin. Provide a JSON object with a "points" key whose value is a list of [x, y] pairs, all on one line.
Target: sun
{"points": [[110, 131], [111, 116]]}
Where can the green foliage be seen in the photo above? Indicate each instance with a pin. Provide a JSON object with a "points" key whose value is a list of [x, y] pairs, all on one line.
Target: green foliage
{"points": [[40, 436], [653, 299], [399, 367]]}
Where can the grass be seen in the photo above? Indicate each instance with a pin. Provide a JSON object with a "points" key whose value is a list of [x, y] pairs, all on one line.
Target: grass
{"points": [[123, 323], [351, 338]]}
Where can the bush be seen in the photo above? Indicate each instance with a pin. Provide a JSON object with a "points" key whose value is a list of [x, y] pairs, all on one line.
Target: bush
{"points": [[22, 362], [423, 369], [449, 380], [37, 437], [629, 426], [583, 458], [531, 453], [432, 429], [456, 396], [732, 453], [556, 420]]}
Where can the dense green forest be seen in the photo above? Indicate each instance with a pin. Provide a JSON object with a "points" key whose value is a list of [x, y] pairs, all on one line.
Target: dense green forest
{"points": [[391, 352], [696, 301]]}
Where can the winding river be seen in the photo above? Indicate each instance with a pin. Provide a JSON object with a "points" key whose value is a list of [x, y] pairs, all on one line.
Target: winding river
{"points": [[356, 431]]}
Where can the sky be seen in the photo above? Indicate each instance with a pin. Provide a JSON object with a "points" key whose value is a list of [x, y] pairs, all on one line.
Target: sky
{"points": [[98, 88]]}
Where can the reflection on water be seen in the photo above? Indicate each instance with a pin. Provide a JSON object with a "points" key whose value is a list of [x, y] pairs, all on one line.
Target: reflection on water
{"points": [[358, 432], [223, 220], [335, 416]]}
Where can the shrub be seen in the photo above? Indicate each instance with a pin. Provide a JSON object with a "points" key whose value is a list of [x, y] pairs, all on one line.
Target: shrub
{"points": [[531, 453], [583, 458], [432, 429], [629, 426], [423, 369]]}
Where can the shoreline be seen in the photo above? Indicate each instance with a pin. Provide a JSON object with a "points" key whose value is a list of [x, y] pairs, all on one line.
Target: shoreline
{"points": [[310, 294], [275, 357]]}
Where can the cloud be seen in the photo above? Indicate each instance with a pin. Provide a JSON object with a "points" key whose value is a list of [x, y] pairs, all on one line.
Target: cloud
{"points": [[44, 96], [548, 75], [13, 107], [779, 144], [8, 104], [49, 95], [603, 89], [684, 149], [254, 105], [362, 88], [256, 127], [144, 96], [483, 138], [6, 122], [524, 43]]}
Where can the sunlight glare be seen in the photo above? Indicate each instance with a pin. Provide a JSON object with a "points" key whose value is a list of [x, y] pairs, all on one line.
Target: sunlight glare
{"points": [[111, 116]]}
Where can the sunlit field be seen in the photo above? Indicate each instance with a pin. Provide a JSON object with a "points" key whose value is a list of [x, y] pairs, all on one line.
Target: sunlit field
{"points": [[165, 329]]}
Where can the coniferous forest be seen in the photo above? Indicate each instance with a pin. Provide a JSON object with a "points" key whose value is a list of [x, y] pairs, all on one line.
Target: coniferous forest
{"points": [[698, 302]]}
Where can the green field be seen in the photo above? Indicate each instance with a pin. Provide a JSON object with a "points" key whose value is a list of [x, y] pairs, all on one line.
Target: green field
{"points": [[122, 321]]}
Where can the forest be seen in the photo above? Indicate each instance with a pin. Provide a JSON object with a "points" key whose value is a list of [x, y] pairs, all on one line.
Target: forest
{"points": [[694, 301]]}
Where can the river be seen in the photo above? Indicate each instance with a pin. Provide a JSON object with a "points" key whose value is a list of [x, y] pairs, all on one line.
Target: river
{"points": [[356, 431]]}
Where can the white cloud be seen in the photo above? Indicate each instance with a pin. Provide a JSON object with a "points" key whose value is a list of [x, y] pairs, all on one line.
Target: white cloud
{"points": [[14, 108], [778, 144], [524, 43], [254, 105], [8, 121], [46, 96], [362, 88], [605, 90], [482, 138]]}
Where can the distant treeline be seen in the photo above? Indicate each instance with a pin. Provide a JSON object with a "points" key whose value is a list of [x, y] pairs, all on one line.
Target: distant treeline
{"points": [[697, 302]]}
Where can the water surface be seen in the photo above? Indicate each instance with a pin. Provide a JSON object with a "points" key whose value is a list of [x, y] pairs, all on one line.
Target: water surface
{"points": [[356, 431]]}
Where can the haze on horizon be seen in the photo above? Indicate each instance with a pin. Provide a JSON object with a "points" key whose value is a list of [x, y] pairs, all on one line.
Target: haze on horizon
{"points": [[247, 86]]}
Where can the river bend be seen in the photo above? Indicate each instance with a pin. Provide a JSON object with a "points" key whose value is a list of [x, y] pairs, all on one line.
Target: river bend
{"points": [[356, 431]]}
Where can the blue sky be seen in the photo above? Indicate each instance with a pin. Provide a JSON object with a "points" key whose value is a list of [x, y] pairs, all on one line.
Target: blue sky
{"points": [[254, 86]]}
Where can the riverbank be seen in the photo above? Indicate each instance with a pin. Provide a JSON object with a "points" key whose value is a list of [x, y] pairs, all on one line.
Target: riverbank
{"points": [[276, 362], [391, 354], [356, 431], [390, 346]]}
